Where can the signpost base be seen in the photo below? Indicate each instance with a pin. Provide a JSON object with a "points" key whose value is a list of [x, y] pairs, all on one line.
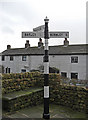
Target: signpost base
{"points": [[46, 116]]}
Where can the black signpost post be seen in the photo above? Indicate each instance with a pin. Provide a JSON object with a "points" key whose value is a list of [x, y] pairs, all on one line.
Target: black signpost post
{"points": [[46, 114]]}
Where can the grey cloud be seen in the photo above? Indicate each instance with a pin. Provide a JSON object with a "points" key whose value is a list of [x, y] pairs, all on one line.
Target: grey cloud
{"points": [[7, 29], [19, 9]]}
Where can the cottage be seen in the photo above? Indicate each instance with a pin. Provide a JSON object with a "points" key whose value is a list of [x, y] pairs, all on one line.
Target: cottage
{"points": [[71, 60]]}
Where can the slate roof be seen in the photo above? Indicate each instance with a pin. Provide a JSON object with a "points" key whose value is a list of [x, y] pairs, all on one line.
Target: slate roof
{"points": [[53, 50]]}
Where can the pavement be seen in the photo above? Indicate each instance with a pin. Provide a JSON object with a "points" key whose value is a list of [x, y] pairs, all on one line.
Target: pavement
{"points": [[55, 111]]}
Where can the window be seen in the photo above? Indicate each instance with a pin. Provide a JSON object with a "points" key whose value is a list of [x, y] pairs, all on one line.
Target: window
{"points": [[7, 70], [63, 74], [23, 70], [23, 58], [74, 59], [3, 58], [74, 75], [11, 58]]}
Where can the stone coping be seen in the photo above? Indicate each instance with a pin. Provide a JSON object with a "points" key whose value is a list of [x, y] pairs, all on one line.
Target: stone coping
{"points": [[20, 93]]}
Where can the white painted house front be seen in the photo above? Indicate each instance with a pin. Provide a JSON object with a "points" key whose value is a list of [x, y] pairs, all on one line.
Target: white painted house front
{"points": [[71, 60]]}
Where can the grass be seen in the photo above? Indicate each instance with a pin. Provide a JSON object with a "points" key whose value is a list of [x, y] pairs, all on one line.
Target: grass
{"points": [[56, 111]]}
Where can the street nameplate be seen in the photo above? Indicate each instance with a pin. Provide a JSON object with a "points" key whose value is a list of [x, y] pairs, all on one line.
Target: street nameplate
{"points": [[59, 34], [32, 34], [41, 34], [40, 28]]}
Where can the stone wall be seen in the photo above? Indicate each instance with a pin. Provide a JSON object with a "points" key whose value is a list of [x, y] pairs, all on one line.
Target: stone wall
{"points": [[70, 96], [22, 101], [20, 81]]}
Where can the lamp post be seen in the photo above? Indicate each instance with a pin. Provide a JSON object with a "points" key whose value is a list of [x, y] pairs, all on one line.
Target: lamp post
{"points": [[46, 114]]}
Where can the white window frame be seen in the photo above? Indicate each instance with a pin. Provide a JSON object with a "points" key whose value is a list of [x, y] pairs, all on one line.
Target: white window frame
{"points": [[24, 58], [74, 59]]}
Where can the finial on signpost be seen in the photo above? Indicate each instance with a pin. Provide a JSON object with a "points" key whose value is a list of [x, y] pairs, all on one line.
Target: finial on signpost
{"points": [[46, 19]]}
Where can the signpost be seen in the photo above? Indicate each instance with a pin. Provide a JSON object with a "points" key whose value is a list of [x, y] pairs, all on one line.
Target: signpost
{"points": [[42, 32]]}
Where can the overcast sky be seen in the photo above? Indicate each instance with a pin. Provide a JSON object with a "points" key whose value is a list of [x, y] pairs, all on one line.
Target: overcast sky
{"points": [[24, 15]]}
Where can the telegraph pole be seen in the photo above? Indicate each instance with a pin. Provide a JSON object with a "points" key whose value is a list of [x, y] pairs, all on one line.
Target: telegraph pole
{"points": [[46, 114]]}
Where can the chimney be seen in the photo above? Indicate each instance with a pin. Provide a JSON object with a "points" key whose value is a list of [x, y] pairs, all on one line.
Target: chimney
{"points": [[8, 47], [27, 44], [66, 42], [40, 43]]}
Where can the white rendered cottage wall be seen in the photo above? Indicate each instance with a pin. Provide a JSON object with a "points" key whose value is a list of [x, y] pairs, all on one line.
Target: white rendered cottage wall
{"points": [[16, 65], [63, 63], [36, 61]]}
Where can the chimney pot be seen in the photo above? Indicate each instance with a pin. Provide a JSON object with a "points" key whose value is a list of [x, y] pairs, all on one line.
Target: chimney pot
{"points": [[40, 40], [27, 44], [66, 42], [40, 43], [8, 47], [27, 41]]}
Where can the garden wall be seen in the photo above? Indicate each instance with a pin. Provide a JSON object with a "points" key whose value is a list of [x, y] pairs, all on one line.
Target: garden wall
{"points": [[70, 96], [21, 81], [22, 101], [13, 83]]}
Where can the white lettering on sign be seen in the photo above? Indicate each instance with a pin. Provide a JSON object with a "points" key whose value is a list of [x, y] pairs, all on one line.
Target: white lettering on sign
{"points": [[46, 91]]}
